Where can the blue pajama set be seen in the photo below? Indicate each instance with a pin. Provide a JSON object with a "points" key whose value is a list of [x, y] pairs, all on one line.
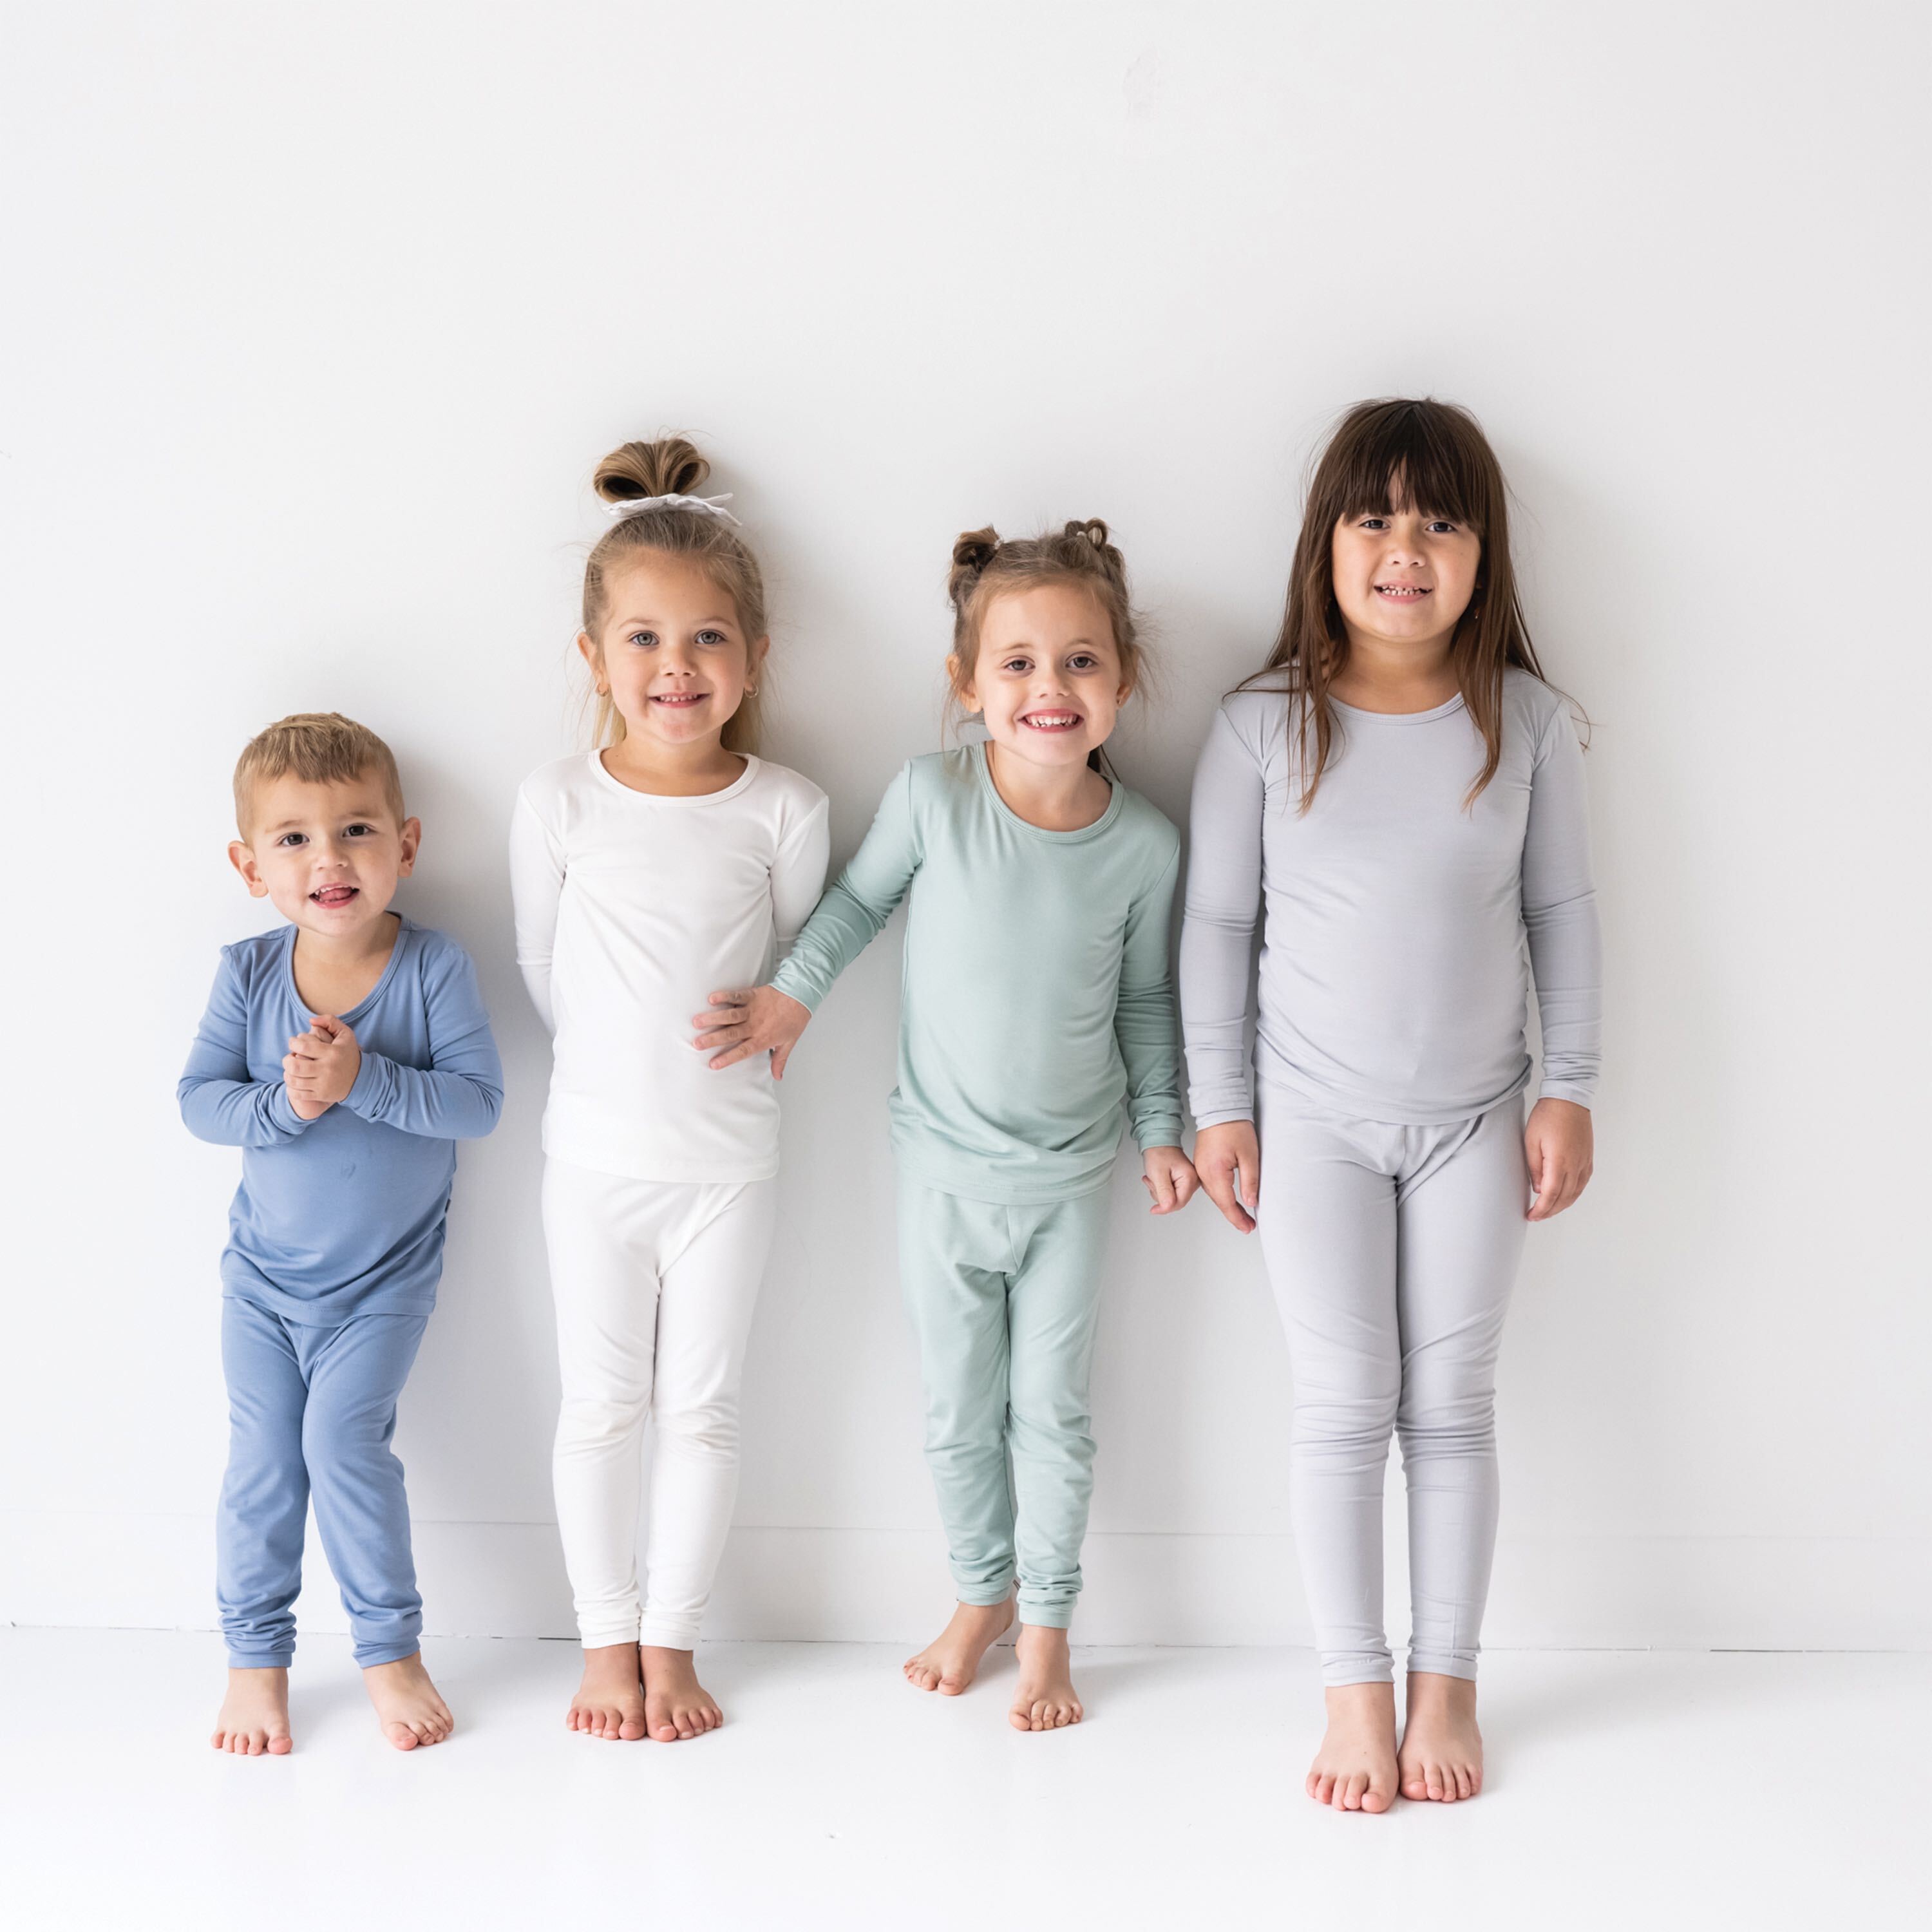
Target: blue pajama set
{"points": [[334, 1249]]}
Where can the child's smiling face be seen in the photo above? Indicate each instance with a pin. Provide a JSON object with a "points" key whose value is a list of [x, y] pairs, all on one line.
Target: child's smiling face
{"points": [[1403, 576], [328, 855], [1048, 677], [673, 654]]}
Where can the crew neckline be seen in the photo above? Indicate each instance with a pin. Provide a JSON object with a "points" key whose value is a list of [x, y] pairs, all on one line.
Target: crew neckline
{"points": [[1400, 717], [1116, 793], [405, 925], [731, 791]]}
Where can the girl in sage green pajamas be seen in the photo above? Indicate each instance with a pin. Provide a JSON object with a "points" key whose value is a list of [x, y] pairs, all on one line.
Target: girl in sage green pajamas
{"points": [[1036, 999]]}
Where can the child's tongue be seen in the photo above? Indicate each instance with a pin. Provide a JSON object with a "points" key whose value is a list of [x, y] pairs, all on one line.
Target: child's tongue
{"points": [[335, 895]]}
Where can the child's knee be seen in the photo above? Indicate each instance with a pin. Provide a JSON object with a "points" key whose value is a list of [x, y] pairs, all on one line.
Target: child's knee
{"points": [[705, 1431], [586, 1424], [1328, 1420]]}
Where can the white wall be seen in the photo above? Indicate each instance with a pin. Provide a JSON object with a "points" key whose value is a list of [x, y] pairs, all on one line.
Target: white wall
{"points": [[319, 318]]}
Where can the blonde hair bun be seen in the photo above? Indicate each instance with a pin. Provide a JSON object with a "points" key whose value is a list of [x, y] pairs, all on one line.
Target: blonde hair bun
{"points": [[669, 467]]}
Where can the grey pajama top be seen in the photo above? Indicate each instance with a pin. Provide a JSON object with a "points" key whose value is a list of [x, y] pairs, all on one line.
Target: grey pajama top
{"points": [[1400, 927]]}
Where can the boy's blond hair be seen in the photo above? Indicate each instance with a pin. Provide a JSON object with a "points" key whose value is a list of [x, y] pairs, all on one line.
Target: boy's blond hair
{"points": [[320, 748]]}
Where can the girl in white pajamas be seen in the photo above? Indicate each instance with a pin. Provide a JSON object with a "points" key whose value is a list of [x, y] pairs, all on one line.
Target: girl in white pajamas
{"points": [[668, 861]]}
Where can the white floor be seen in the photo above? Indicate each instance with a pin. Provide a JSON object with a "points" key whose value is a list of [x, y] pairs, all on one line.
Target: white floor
{"points": [[1627, 1790]]}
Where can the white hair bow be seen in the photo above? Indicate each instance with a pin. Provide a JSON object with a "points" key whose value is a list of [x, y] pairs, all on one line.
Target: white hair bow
{"points": [[635, 506]]}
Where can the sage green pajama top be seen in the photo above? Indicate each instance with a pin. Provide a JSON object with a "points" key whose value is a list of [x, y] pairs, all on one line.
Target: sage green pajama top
{"points": [[1036, 996]]}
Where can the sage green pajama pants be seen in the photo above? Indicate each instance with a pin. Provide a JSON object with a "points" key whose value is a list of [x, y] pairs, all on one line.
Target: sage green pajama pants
{"points": [[1004, 1301]]}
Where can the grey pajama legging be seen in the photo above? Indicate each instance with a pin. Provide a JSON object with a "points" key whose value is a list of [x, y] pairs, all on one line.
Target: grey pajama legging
{"points": [[1392, 1251]]}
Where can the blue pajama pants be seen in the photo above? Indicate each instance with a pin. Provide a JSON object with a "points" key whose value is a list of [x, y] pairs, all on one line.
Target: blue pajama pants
{"points": [[311, 1411]]}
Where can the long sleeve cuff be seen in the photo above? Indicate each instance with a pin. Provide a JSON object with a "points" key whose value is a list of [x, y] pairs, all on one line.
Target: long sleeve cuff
{"points": [[374, 1087], [1154, 1130], [1582, 1092], [281, 1113], [793, 984]]}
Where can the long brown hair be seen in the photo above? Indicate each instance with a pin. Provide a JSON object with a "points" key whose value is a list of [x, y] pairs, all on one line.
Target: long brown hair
{"points": [[1435, 456], [672, 466]]}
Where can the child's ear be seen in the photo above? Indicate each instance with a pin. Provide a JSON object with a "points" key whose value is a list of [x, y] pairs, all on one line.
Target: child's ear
{"points": [[411, 843], [594, 658], [968, 693], [243, 860]]}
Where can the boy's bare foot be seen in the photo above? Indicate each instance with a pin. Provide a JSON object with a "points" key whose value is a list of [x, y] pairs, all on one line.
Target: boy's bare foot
{"points": [[676, 1705], [609, 1701], [407, 1706], [950, 1662], [1355, 1768], [254, 1717], [1044, 1700], [1441, 1756]]}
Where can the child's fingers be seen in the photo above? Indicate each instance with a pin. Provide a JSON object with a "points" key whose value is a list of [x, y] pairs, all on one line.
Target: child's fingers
{"points": [[723, 1010], [721, 1037], [740, 996], [1248, 1180], [1219, 1183], [732, 1058], [1186, 1185], [1160, 1184], [780, 1054], [1549, 1182]]}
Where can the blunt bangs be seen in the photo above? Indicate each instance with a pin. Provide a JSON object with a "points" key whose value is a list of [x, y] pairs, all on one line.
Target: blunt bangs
{"points": [[1417, 454]]}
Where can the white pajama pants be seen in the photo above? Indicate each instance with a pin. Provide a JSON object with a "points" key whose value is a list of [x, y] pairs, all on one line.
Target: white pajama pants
{"points": [[654, 1282], [1392, 1251]]}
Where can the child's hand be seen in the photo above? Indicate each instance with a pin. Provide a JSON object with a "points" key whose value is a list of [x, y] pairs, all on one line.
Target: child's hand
{"points": [[1229, 1160], [754, 1019], [321, 1066], [1170, 1178], [1560, 1144]]}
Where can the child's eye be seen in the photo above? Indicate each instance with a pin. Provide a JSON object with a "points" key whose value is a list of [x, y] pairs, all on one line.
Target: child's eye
{"points": [[358, 832], [291, 839], [1017, 664], [712, 637], [1374, 523], [643, 637], [1441, 526], [1082, 661]]}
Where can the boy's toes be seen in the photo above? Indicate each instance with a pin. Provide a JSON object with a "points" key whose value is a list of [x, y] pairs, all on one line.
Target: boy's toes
{"points": [[280, 1745], [400, 1736]]}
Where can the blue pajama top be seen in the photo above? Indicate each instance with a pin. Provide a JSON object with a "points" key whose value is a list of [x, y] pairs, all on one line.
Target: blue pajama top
{"points": [[343, 1215]]}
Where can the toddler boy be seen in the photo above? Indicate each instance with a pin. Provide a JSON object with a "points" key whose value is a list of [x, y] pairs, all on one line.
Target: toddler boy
{"points": [[345, 1054]]}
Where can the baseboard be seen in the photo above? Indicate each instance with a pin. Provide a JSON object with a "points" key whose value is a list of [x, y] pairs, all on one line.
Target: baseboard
{"points": [[859, 1585]]}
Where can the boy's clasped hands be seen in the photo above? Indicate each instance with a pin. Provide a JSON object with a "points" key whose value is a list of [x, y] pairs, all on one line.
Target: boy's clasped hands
{"points": [[320, 1065]]}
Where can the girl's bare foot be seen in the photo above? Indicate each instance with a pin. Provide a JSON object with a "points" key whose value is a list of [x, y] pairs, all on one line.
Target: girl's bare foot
{"points": [[676, 1705], [1355, 1768], [609, 1701], [1044, 1700], [1441, 1756], [254, 1717], [951, 1661], [407, 1706]]}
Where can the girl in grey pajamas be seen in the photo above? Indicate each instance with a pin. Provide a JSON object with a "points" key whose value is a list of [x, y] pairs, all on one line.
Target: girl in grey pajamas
{"points": [[1398, 798]]}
